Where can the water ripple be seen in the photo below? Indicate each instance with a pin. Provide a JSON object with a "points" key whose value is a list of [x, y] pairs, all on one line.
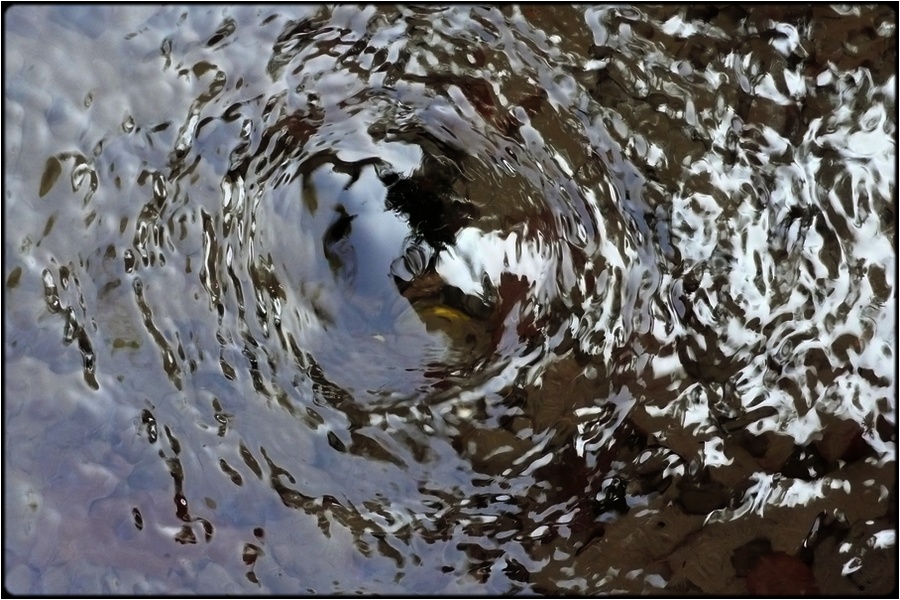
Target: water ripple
{"points": [[472, 300]]}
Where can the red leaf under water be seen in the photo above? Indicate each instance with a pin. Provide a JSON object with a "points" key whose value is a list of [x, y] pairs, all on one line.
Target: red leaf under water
{"points": [[779, 574]]}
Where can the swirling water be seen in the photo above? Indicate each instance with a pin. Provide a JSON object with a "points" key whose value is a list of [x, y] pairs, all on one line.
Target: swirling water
{"points": [[449, 300]]}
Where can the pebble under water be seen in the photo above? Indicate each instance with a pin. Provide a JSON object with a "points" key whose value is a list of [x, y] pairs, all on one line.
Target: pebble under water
{"points": [[467, 300]]}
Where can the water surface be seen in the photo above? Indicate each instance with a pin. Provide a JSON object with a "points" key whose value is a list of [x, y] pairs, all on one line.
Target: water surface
{"points": [[434, 300]]}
